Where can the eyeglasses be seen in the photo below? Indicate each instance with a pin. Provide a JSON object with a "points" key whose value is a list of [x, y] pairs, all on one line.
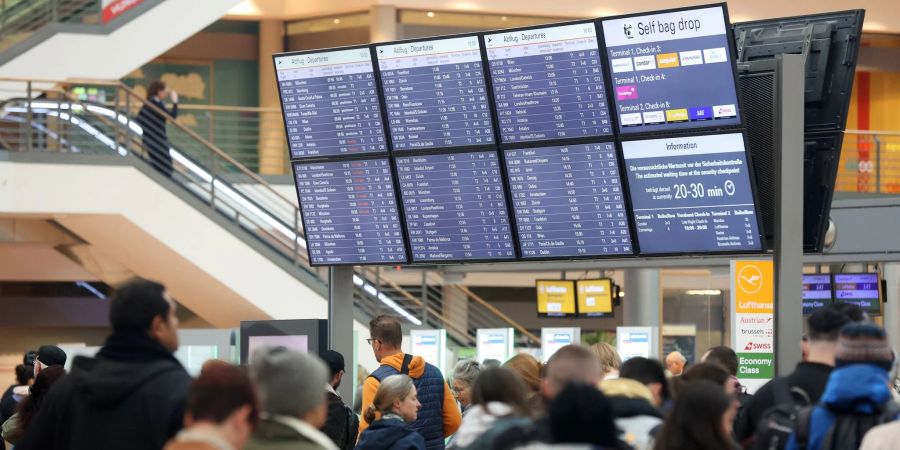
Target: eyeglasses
{"points": [[371, 340]]}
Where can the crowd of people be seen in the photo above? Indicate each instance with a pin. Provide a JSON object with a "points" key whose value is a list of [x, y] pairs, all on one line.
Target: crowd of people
{"points": [[134, 394]]}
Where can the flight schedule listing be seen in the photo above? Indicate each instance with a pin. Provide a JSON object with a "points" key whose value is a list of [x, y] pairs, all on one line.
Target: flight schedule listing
{"points": [[350, 212], [455, 207], [548, 83], [692, 194], [568, 201], [672, 70], [330, 103], [435, 93]]}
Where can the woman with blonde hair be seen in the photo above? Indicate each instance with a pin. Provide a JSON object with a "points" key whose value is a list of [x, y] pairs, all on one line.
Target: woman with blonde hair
{"points": [[609, 360], [395, 406]]}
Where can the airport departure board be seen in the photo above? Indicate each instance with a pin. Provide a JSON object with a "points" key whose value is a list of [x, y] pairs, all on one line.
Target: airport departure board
{"points": [[435, 93], [692, 194], [330, 103], [455, 207], [350, 213], [568, 201], [548, 83], [816, 292], [672, 70]]}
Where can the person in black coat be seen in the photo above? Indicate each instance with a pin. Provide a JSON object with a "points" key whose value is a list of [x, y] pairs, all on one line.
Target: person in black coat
{"points": [[342, 425], [155, 140], [132, 395], [395, 406]]}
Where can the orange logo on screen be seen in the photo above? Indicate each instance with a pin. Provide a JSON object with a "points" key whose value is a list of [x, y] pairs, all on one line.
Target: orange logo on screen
{"points": [[754, 287]]}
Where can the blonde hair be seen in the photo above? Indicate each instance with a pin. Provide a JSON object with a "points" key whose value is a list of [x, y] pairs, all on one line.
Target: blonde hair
{"points": [[394, 387], [609, 357]]}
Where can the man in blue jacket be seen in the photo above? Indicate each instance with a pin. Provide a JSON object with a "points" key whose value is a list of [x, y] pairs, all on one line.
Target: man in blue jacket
{"points": [[857, 387]]}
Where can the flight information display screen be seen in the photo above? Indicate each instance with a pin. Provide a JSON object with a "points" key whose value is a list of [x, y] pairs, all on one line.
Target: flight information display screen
{"points": [[672, 70], [350, 212], [548, 83], [330, 103], [556, 298], [455, 207], [568, 201], [435, 93], [595, 297], [861, 289], [816, 292], [692, 194]]}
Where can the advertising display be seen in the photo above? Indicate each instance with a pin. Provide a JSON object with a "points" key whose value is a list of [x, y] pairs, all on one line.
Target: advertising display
{"points": [[330, 103], [594, 297], [455, 207], [494, 343], [672, 70], [816, 292], [553, 339], [435, 93], [568, 201], [861, 289], [692, 194], [752, 318], [350, 212], [555, 298], [634, 342], [548, 83], [430, 345]]}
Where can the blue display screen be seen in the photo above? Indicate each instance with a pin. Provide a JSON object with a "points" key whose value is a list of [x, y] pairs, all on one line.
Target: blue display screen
{"points": [[548, 83], [672, 70], [455, 207], [816, 292], [330, 103], [692, 194], [350, 212], [568, 201], [435, 93]]}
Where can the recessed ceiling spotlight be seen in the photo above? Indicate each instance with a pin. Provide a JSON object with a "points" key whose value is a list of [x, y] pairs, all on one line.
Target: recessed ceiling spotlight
{"points": [[430, 14]]}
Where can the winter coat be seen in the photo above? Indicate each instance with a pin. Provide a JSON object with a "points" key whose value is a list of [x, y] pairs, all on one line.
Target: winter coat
{"points": [[477, 421], [283, 433], [131, 395], [342, 424], [390, 434]]}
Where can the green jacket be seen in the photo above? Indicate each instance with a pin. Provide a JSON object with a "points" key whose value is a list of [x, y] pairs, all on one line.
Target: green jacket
{"points": [[272, 435]]}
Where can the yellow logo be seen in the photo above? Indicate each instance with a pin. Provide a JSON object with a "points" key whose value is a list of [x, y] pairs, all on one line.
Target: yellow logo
{"points": [[754, 283]]}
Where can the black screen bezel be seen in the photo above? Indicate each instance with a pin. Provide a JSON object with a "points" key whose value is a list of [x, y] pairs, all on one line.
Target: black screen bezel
{"points": [[612, 300], [878, 279]]}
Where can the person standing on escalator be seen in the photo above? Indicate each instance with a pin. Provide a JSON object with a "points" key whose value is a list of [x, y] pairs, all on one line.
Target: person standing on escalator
{"points": [[152, 120]]}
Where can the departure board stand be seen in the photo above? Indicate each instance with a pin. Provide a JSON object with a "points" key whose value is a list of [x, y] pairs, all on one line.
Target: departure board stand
{"points": [[340, 317], [790, 79]]}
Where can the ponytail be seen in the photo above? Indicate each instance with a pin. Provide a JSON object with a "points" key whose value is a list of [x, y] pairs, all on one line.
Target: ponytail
{"points": [[370, 414]]}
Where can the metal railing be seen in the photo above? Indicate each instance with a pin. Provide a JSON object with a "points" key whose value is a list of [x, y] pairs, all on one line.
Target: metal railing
{"points": [[870, 162], [19, 19], [49, 119]]}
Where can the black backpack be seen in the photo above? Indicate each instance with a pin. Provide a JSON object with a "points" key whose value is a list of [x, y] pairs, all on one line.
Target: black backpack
{"points": [[778, 422], [847, 430]]}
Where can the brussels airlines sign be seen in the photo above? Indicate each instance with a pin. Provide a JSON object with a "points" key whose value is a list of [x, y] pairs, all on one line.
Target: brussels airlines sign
{"points": [[115, 8]]}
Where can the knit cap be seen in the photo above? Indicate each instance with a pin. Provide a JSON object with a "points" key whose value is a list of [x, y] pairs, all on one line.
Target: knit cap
{"points": [[863, 343]]}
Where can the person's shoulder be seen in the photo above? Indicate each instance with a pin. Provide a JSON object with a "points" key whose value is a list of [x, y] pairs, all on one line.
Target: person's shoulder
{"points": [[881, 437]]}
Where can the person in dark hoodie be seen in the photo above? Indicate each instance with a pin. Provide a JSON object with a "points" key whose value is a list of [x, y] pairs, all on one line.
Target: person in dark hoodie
{"points": [[635, 414], [394, 407], [132, 395], [342, 424]]}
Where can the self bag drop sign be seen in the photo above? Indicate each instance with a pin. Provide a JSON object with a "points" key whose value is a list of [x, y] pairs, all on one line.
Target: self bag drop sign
{"points": [[753, 324]]}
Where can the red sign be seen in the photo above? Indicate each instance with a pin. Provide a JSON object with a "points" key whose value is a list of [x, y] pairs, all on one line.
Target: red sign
{"points": [[115, 8]]}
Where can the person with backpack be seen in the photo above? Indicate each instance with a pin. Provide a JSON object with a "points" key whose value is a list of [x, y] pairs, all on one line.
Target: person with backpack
{"points": [[766, 420], [440, 416], [394, 407], [342, 424], [857, 397]]}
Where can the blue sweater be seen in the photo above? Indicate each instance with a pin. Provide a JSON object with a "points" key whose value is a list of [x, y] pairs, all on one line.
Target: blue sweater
{"points": [[855, 389]]}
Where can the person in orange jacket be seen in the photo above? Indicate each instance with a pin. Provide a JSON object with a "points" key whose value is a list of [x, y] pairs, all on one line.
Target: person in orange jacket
{"points": [[440, 416]]}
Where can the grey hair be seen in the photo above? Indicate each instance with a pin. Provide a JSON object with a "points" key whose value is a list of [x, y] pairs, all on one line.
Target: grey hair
{"points": [[289, 383], [466, 371]]}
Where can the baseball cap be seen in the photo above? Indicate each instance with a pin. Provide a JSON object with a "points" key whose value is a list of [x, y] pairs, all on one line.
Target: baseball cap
{"points": [[51, 355]]}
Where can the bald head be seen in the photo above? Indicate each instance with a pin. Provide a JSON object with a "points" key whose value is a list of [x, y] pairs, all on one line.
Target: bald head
{"points": [[572, 363], [675, 362]]}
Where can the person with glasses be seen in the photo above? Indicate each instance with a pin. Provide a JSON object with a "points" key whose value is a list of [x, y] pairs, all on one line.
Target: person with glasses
{"points": [[464, 375], [439, 416]]}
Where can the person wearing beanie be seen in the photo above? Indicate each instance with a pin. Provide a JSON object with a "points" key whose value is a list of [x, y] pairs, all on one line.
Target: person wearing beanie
{"points": [[857, 390]]}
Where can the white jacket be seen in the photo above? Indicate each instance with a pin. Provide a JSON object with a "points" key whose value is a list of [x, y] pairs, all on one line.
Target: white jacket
{"points": [[477, 421]]}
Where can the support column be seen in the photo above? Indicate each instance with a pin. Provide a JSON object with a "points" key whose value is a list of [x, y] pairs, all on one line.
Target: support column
{"points": [[788, 263], [340, 323], [455, 305], [642, 305], [384, 23], [892, 307], [271, 146]]}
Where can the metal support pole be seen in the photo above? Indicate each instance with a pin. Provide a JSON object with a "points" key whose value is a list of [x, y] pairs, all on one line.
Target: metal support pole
{"points": [[425, 298], [29, 117], [877, 164], [789, 213], [340, 320]]}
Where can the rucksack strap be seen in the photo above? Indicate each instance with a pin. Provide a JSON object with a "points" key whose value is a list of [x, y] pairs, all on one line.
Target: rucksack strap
{"points": [[781, 389], [801, 431], [404, 368]]}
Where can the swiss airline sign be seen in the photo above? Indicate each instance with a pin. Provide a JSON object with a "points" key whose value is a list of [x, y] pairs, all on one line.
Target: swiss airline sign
{"points": [[115, 8]]}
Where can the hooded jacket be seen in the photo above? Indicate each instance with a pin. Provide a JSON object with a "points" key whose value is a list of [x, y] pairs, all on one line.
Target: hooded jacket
{"points": [[132, 395], [478, 420], [439, 411], [854, 389], [390, 434], [635, 416]]}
